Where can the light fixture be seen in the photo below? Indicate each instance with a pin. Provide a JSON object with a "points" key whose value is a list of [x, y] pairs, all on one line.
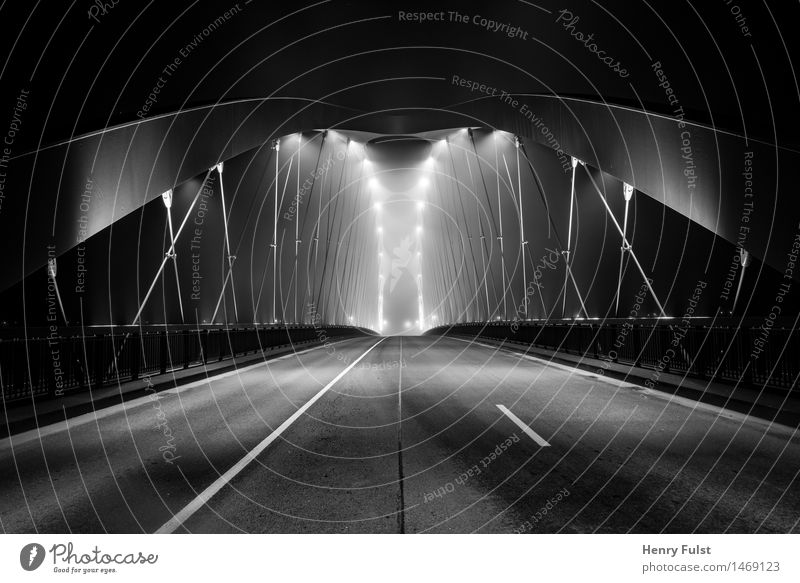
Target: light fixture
{"points": [[372, 182], [424, 182], [166, 197], [420, 205], [378, 206], [627, 191]]}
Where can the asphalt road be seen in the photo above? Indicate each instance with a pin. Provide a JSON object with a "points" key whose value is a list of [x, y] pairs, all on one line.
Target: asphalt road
{"points": [[422, 434]]}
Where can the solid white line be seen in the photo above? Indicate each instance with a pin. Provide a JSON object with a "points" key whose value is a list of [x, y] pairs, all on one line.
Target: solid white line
{"points": [[43, 431], [512, 351], [206, 495], [528, 431], [779, 429]]}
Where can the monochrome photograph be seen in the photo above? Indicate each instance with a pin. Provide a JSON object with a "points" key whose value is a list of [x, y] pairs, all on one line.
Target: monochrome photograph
{"points": [[341, 267]]}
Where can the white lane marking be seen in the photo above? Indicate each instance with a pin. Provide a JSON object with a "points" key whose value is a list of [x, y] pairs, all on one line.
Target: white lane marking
{"points": [[528, 431], [510, 350], [779, 429], [20, 439], [206, 495]]}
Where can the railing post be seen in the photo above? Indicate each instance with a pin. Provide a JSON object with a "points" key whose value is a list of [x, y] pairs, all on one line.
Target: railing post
{"points": [[18, 368], [698, 367], [614, 336], [99, 360], [51, 377], [135, 347], [163, 353], [750, 373]]}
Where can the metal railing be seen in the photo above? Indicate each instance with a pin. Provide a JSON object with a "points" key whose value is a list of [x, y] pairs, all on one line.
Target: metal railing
{"points": [[42, 366], [727, 351]]}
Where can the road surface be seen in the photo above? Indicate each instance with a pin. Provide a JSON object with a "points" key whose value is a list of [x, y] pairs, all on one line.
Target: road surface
{"points": [[403, 434]]}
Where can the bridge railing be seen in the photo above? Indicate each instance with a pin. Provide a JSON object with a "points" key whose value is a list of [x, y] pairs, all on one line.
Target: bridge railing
{"points": [[726, 351], [42, 366]]}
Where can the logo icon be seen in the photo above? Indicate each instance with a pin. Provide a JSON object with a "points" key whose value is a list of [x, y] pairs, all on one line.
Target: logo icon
{"points": [[31, 556]]}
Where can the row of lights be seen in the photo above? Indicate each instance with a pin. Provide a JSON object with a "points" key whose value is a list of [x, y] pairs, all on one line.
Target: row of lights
{"points": [[423, 184]]}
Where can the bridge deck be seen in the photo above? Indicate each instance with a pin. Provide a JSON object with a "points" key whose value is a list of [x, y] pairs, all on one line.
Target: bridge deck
{"points": [[423, 434]]}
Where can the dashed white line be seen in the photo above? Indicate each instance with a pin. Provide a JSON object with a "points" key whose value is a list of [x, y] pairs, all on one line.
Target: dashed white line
{"points": [[528, 431], [178, 519], [778, 429]]}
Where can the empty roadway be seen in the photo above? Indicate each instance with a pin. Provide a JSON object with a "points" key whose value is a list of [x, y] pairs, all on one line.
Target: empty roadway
{"points": [[422, 434]]}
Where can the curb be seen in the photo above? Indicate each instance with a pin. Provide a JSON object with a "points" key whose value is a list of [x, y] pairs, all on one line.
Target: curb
{"points": [[34, 419], [637, 376]]}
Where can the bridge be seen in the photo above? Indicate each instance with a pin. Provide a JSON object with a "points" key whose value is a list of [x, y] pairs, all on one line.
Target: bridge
{"points": [[398, 287]]}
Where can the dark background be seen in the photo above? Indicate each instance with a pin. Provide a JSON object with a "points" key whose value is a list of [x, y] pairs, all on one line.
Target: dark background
{"points": [[84, 76]]}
